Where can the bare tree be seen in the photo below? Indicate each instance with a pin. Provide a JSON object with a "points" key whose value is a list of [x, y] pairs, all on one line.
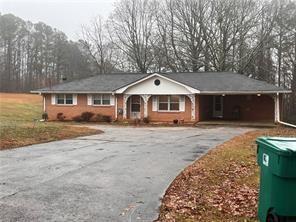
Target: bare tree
{"points": [[98, 46], [131, 28]]}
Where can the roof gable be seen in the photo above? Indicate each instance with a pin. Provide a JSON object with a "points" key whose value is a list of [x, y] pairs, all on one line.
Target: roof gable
{"points": [[147, 85]]}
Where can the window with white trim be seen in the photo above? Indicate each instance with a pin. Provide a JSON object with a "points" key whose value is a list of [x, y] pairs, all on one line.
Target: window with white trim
{"points": [[101, 99], [169, 103], [64, 99]]}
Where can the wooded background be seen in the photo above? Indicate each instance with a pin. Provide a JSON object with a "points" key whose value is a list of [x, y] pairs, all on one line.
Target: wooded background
{"points": [[252, 37]]}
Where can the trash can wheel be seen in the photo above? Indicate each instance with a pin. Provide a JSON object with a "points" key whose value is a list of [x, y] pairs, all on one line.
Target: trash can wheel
{"points": [[272, 217]]}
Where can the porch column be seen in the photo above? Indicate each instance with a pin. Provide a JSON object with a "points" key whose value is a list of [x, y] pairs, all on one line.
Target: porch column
{"points": [[192, 99], [276, 108], [125, 98], [145, 99]]}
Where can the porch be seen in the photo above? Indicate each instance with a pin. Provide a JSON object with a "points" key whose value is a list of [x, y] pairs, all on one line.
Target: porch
{"points": [[160, 108]]}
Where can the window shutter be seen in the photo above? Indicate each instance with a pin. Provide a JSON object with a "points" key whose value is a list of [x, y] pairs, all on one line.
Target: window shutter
{"points": [[112, 98], [89, 100], [182, 103], [74, 99], [154, 103], [53, 99]]}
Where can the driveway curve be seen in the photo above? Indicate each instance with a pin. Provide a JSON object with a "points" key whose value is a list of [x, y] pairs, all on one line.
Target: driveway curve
{"points": [[119, 175]]}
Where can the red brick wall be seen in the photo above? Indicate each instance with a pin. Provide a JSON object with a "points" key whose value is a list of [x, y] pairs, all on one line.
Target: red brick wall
{"points": [[252, 107], [170, 116], [71, 111]]}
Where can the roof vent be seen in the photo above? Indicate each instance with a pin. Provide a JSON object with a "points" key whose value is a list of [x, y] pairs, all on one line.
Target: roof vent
{"points": [[157, 82]]}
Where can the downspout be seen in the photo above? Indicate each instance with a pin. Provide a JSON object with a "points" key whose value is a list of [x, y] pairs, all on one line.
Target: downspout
{"points": [[44, 109], [115, 100], [43, 98], [277, 113]]}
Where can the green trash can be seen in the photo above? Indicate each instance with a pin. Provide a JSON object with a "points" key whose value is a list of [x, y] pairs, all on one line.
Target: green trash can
{"points": [[276, 157]]}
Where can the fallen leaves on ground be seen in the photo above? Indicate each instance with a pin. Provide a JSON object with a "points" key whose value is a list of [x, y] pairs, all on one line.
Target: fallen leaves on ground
{"points": [[221, 186], [28, 134]]}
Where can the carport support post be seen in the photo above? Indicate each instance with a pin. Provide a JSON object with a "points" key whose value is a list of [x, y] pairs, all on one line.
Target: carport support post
{"points": [[276, 108], [192, 99], [145, 99]]}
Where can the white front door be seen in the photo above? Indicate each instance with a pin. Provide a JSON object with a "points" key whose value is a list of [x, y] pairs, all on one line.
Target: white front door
{"points": [[217, 106], [135, 107]]}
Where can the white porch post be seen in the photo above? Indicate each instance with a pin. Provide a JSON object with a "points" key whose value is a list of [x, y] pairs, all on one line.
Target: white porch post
{"points": [[145, 99], [125, 98], [276, 108], [192, 99]]}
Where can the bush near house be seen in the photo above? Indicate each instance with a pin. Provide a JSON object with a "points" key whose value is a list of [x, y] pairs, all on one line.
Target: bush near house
{"points": [[86, 116], [222, 185], [20, 125], [103, 118], [91, 117], [146, 120]]}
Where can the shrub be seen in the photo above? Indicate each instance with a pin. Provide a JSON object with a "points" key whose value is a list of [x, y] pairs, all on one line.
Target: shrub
{"points": [[103, 118], [99, 118], [77, 118], [45, 116], [146, 120], [175, 121], [61, 117], [107, 119], [86, 116]]}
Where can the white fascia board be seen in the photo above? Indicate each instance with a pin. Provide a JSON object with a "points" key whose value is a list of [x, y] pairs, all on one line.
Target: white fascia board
{"points": [[73, 92], [121, 90], [241, 92]]}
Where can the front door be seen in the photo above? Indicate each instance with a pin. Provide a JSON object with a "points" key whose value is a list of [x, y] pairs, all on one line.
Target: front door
{"points": [[135, 107], [218, 106]]}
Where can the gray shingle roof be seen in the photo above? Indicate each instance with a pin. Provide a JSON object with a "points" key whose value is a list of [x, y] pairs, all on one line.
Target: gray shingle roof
{"points": [[203, 81], [99, 83], [222, 81]]}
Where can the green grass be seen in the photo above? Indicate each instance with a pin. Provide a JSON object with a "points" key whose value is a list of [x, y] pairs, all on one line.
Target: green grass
{"points": [[20, 125]]}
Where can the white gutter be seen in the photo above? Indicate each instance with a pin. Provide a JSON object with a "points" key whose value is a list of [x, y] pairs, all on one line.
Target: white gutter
{"points": [[241, 92], [287, 124], [277, 117]]}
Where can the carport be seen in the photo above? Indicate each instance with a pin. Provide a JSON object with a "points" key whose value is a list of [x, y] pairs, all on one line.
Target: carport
{"points": [[252, 107]]}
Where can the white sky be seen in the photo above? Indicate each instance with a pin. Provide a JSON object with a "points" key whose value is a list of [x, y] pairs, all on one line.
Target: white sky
{"points": [[65, 15]]}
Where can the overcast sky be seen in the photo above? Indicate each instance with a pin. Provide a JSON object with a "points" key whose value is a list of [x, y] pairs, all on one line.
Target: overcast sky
{"points": [[65, 15]]}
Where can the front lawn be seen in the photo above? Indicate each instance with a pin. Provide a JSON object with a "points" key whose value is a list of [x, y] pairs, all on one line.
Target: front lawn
{"points": [[222, 185], [19, 125]]}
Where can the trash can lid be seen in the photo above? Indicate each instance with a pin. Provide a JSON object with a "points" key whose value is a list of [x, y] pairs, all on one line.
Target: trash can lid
{"points": [[285, 144]]}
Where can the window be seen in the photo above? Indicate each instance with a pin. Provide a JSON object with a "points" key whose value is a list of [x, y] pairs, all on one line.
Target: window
{"points": [[168, 103], [64, 99], [101, 99]]}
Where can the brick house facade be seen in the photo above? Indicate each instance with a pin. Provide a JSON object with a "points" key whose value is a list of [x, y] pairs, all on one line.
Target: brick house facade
{"points": [[166, 97]]}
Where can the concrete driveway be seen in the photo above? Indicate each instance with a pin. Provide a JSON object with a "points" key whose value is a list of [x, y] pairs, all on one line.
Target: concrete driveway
{"points": [[119, 175]]}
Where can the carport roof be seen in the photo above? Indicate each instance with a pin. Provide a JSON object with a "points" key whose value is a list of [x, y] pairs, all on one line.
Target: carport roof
{"points": [[205, 82]]}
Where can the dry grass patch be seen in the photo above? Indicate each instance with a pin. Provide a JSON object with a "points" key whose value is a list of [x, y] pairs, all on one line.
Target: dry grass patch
{"points": [[222, 185], [18, 125]]}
